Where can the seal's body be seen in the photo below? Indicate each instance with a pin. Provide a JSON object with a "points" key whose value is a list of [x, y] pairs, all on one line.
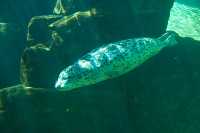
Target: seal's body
{"points": [[112, 60]]}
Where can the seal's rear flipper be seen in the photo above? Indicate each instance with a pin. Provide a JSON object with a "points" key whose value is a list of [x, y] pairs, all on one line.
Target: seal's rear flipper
{"points": [[171, 38]]}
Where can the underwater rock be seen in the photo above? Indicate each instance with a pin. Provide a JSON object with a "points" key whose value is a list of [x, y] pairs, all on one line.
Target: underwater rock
{"points": [[162, 95]]}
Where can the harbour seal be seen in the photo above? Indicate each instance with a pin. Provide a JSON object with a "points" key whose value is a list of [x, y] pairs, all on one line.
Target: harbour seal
{"points": [[112, 60]]}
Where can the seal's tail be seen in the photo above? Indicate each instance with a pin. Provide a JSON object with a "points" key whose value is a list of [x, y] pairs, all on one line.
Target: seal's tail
{"points": [[170, 38]]}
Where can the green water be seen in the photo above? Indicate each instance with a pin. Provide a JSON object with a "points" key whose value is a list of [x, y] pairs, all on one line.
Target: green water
{"points": [[39, 38]]}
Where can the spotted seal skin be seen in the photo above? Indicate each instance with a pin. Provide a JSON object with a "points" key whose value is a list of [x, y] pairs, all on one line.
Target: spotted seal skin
{"points": [[112, 60]]}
